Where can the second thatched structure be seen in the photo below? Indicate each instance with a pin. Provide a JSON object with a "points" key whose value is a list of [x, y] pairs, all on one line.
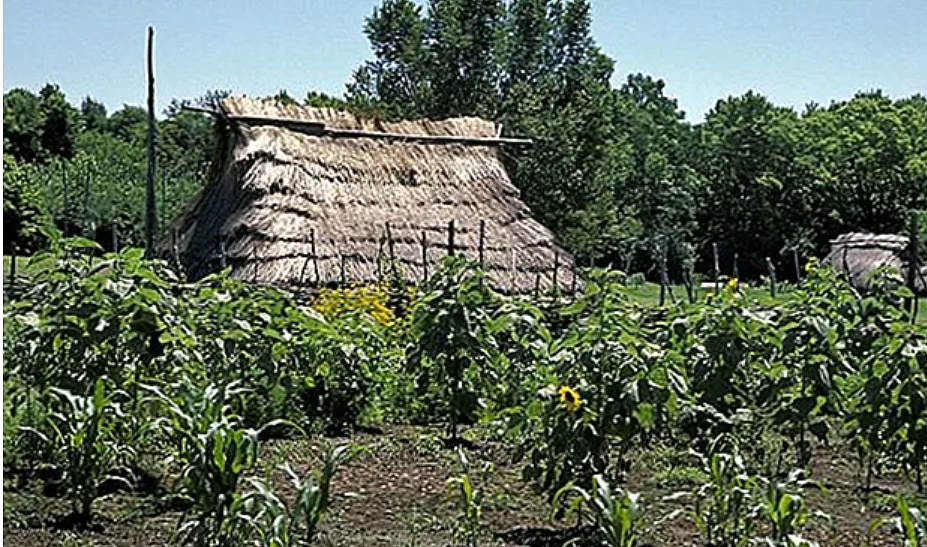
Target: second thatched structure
{"points": [[312, 196], [857, 255]]}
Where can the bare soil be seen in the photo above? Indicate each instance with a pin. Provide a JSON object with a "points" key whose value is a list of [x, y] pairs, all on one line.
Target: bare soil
{"points": [[396, 494]]}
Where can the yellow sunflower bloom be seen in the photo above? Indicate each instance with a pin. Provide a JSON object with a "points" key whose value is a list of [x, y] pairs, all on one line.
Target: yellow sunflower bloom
{"points": [[732, 283], [570, 398]]}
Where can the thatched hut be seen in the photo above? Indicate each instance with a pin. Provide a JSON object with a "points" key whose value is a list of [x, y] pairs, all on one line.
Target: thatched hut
{"points": [[857, 255], [309, 196]]}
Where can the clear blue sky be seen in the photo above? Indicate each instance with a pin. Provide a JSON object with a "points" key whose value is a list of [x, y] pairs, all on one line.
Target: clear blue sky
{"points": [[793, 51]]}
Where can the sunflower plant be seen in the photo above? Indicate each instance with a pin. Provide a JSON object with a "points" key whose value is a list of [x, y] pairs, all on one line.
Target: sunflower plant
{"points": [[451, 344], [608, 389]]}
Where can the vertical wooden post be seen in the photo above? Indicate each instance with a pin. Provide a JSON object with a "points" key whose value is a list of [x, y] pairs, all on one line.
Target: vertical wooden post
{"points": [[315, 257], [772, 277], [482, 240], [424, 256], [13, 265], [736, 266], [450, 238], [392, 251], [341, 259], [175, 254], [223, 257], [797, 266], [150, 214], [573, 280], [556, 288], [115, 239], [663, 276], [537, 285], [717, 267], [380, 259], [913, 263], [512, 278], [66, 213]]}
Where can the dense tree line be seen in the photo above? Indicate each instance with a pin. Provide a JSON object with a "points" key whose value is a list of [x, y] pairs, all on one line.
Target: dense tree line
{"points": [[618, 173], [83, 169]]}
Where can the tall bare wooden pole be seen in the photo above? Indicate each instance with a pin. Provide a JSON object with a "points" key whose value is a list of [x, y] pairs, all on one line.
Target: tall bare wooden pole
{"points": [[150, 214]]}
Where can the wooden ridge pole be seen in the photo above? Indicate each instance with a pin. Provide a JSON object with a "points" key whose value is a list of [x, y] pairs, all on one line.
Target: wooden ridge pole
{"points": [[150, 214]]}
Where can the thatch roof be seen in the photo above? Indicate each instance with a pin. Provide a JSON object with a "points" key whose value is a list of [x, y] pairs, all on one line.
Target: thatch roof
{"points": [[295, 206], [857, 255]]}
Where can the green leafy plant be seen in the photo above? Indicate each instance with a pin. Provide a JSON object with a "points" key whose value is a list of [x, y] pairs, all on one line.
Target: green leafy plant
{"points": [[279, 524], [470, 501], [84, 433], [214, 452], [910, 524], [783, 506], [724, 511], [450, 344], [616, 512]]}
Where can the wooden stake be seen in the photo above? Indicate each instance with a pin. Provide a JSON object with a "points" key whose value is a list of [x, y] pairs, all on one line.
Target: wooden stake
{"points": [[717, 270], [315, 257], [537, 285], [424, 256], [223, 258], [175, 254], [150, 214], [482, 239], [67, 204], [913, 262], [772, 277], [341, 259], [450, 238], [13, 265], [797, 266], [392, 250], [573, 280], [556, 288], [736, 266]]}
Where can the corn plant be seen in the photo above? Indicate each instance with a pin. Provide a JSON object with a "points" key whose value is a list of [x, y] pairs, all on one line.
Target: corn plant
{"points": [[278, 524], [470, 500], [724, 512], [910, 524], [616, 512], [782, 505], [84, 433], [213, 451]]}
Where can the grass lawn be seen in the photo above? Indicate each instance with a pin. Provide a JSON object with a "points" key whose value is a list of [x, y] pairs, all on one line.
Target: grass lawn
{"points": [[648, 294]]}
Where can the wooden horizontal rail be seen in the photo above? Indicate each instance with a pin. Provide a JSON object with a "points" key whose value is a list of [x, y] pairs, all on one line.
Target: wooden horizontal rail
{"points": [[320, 129]]}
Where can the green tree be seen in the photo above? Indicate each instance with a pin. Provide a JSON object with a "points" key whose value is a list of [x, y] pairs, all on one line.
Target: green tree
{"points": [[93, 115], [59, 122], [23, 122], [396, 79], [747, 149]]}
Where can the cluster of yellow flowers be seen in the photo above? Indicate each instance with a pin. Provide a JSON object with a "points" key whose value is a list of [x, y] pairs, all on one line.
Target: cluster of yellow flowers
{"points": [[371, 299]]}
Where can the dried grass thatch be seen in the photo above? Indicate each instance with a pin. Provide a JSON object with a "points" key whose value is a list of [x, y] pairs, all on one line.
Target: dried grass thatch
{"points": [[857, 255], [295, 208]]}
